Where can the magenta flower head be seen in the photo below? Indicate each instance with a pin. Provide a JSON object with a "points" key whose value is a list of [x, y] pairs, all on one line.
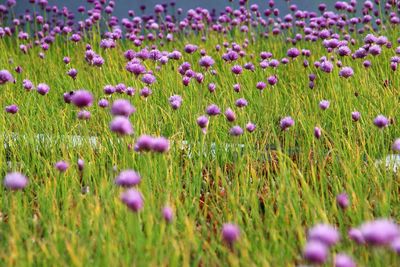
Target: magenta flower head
{"points": [[261, 86], [148, 78], [62, 166], [5, 77], [396, 145], [317, 132], [168, 214], [241, 102], [82, 98], [43, 89], [213, 110], [324, 104], [293, 52], [286, 123], [356, 235], [132, 199], [128, 178], [237, 69], [326, 66], [250, 127], [206, 62], [325, 234], [72, 73], [381, 121], [236, 131], [211, 87], [396, 245], [230, 115], [202, 121], [122, 107], [315, 252], [84, 115], [343, 200], [272, 80], [144, 143], [15, 181], [230, 233], [343, 260], [236, 87], [27, 84], [121, 125], [355, 116], [66, 60], [103, 103], [12, 109], [81, 164], [380, 232], [346, 72], [160, 145], [175, 101]]}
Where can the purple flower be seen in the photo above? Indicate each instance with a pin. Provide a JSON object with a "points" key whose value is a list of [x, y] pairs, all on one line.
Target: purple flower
{"points": [[81, 164], [12, 109], [381, 121], [148, 78], [160, 145], [121, 125], [236, 87], [236, 131], [213, 110], [241, 102], [145, 92], [230, 115], [82, 98], [317, 132], [43, 89], [396, 245], [175, 101], [122, 107], [103, 103], [27, 84], [286, 123], [202, 121], [250, 127], [72, 73], [380, 232], [190, 49], [346, 72], [315, 252], [375, 50], [326, 66], [343, 200], [135, 68], [396, 145], [66, 60], [356, 235], [261, 86], [206, 62], [324, 104], [144, 143], [15, 181], [230, 233], [211, 87], [5, 77], [293, 52], [342, 260], [61, 165], [84, 115], [132, 199], [237, 69], [325, 234], [109, 89], [128, 178], [168, 214], [355, 116], [272, 80]]}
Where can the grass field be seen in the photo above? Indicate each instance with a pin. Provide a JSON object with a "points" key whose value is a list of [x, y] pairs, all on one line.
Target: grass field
{"points": [[273, 184]]}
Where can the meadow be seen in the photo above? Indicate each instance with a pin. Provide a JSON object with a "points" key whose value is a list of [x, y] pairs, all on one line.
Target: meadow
{"points": [[264, 156]]}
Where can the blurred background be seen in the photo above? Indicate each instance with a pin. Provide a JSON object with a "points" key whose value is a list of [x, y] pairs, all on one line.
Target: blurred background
{"points": [[122, 6]]}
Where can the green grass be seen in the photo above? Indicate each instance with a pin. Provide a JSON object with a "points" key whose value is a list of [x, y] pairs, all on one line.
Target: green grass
{"points": [[273, 195]]}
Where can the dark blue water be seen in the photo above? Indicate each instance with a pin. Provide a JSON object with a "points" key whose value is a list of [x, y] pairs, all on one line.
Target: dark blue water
{"points": [[122, 6]]}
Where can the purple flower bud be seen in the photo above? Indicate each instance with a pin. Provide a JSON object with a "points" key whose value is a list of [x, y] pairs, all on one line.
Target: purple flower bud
{"points": [[122, 107], [213, 110], [261, 86], [396, 245], [236, 87], [81, 164], [324, 104], [241, 102], [342, 260], [43, 89], [272, 80], [286, 123], [355, 115], [12, 109], [230, 233], [15, 181], [326, 66], [211, 87], [293, 52], [206, 62], [103, 103], [343, 200], [5, 77], [317, 132], [236, 131], [250, 127], [381, 121], [380, 232], [132, 199], [128, 178], [148, 78], [160, 145], [62, 166], [202, 121], [66, 60], [315, 252], [84, 115], [175, 101], [121, 125], [346, 72], [230, 115], [72, 73], [168, 214], [356, 235], [82, 98], [325, 234], [396, 145], [145, 92]]}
